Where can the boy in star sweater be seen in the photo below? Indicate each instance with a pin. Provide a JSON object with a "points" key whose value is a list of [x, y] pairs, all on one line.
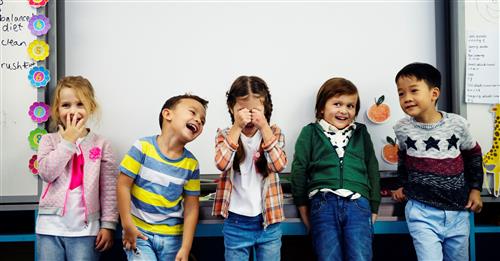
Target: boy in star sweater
{"points": [[439, 168]]}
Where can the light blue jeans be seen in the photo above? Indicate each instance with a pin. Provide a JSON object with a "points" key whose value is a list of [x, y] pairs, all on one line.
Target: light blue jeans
{"points": [[157, 247], [438, 234], [56, 248], [242, 233]]}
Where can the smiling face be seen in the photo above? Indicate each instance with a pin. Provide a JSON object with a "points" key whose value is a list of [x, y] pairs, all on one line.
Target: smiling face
{"points": [[187, 118], [250, 101], [70, 104], [416, 97], [340, 110]]}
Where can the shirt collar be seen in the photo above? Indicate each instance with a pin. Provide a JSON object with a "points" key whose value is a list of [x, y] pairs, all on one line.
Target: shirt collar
{"points": [[327, 127]]}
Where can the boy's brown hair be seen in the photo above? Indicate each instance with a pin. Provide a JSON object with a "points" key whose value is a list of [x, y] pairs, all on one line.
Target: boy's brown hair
{"points": [[173, 101], [333, 87]]}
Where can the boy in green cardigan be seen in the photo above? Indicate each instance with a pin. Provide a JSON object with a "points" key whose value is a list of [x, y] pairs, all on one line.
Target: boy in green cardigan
{"points": [[335, 178]]}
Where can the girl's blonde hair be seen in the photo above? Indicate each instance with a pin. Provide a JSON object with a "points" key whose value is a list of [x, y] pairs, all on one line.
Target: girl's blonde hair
{"points": [[84, 91]]}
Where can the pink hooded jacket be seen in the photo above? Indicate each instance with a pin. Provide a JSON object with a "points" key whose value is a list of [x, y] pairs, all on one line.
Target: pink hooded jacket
{"points": [[99, 180]]}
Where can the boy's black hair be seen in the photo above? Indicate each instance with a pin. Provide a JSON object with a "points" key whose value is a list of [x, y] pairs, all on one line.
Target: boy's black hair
{"points": [[421, 71], [170, 103]]}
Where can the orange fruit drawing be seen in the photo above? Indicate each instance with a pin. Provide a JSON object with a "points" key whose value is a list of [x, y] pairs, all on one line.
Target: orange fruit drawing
{"points": [[379, 112], [390, 151]]}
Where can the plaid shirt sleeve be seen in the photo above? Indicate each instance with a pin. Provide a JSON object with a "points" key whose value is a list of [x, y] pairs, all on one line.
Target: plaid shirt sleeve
{"points": [[224, 154], [224, 150], [274, 151]]}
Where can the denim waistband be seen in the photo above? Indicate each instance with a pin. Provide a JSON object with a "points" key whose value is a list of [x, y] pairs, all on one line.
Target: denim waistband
{"points": [[234, 216], [330, 195]]}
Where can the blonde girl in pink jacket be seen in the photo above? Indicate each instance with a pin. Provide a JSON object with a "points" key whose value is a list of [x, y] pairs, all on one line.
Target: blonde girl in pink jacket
{"points": [[77, 212]]}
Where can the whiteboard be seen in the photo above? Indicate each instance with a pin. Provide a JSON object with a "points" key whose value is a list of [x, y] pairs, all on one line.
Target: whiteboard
{"points": [[16, 96], [139, 53], [482, 16]]}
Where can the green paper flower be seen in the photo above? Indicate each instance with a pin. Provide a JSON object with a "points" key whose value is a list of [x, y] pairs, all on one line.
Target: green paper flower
{"points": [[35, 136]]}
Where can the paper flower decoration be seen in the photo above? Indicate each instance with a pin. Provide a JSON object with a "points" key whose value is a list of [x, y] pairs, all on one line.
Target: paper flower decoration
{"points": [[39, 76], [38, 50], [35, 136], [33, 165], [39, 112], [95, 153], [37, 3], [39, 25]]}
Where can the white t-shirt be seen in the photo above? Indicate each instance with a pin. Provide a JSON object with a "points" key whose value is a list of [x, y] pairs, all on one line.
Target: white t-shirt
{"points": [[72, 223], [246, 196]]}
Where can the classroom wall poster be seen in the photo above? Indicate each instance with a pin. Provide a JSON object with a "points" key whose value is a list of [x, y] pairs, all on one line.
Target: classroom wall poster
{"points": [[482, 83]]}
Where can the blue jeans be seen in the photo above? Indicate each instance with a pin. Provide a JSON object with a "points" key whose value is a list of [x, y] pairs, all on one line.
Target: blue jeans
{"points": [[242, 233], [341, 228], [56, 248], [157, 247], [438, 234]]}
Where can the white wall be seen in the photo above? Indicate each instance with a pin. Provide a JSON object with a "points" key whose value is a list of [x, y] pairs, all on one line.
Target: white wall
{"points": [[137, 54]]}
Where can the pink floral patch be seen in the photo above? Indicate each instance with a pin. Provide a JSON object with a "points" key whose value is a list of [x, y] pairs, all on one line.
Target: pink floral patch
{"points": [[95, 153], [256, 156]]}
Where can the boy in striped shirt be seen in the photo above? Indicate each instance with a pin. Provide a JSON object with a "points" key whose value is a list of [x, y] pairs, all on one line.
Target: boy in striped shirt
{"points": [[158, 185]]}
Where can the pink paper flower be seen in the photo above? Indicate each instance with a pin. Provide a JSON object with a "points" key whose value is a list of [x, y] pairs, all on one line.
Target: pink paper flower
{"points": [[39, 112], [95, 153], [33, 165], [37, 3]]}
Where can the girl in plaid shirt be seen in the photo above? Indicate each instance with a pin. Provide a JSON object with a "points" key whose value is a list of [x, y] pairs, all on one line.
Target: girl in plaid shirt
{"points": [[250, 154]]}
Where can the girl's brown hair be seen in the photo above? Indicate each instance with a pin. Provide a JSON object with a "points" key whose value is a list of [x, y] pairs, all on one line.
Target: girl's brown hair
{"points": [[333, 87], [84, 91], [243, 86]]}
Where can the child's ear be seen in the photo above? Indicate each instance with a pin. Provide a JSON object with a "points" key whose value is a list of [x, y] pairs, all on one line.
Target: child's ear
{"points": [[167, 114], [435, 92]]}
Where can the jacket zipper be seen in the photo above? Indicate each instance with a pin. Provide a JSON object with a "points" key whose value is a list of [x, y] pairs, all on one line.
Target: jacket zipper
{"points": [[83, 189], [85, 204], [341, 163], [341, 174], [46, 190]]}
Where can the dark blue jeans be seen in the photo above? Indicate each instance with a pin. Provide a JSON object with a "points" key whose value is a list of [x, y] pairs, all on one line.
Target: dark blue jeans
{"points": [[341, 228]]}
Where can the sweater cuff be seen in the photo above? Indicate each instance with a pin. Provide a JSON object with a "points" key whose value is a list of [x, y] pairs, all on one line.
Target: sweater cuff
{"points": [[268, 146], [232, 146], [374, 205], [71, 147], [108, 225], [301, 201], [476, 185]]}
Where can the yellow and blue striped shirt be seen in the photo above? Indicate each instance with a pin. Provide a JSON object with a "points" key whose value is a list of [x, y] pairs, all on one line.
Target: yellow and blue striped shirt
{"points": [[159, 186]]}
